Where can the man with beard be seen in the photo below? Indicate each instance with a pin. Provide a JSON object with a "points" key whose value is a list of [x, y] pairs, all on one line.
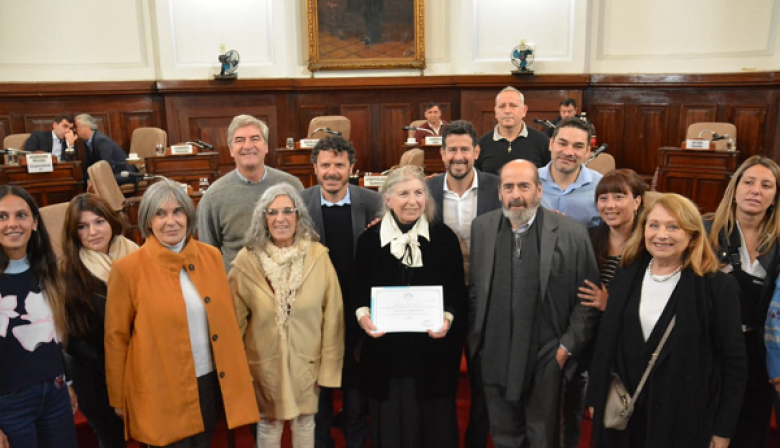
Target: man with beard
{"points": [[511, 139], [568, 186], [226, 208], [462, 194], [526, 264], [340, 212]]}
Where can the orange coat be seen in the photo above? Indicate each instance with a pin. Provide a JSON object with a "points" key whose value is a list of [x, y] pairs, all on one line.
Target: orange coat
{"points": [[150, 370]]}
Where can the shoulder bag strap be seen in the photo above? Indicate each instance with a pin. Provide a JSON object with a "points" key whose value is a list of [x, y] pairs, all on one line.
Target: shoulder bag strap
{"points": [[652, 361]]}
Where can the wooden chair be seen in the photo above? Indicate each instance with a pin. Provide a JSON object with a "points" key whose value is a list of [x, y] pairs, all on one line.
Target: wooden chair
{"points": [[144, 141], [603, 164], [334, 122], [53, 217], [697, 129], [414, 156], [15, 141]]}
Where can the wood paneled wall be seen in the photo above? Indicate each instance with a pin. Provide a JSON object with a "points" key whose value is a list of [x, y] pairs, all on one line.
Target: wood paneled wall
{"points": [[635, 114]]}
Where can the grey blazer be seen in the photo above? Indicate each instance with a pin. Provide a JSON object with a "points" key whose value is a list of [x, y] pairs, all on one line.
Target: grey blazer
{"points": [[566, 260], [487, 193], [366, 205]]}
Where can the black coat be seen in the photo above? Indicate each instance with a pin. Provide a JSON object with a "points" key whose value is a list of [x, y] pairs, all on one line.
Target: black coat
{"points": [[41, 141], [695, 390], [88, 349], [434, 363]]}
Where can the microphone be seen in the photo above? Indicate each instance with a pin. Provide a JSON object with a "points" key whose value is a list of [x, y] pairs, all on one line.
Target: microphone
{"points": [[140, 176], [596, 153], [195, 144], [413, 128], [545, 123], [12, 152], [326, 130], [206, 145], [716, 137]]}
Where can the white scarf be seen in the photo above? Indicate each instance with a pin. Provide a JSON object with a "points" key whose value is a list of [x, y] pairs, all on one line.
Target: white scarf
{"points": [[401, 243], [99, 264], [283, 267]]}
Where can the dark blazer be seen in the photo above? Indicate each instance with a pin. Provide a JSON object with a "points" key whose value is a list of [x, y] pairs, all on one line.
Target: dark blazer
{"points": [[487, 193], [695, 389], [366, 205], [103, 148], [434, 363], [41, 141], [566, 260], [770, 261]]}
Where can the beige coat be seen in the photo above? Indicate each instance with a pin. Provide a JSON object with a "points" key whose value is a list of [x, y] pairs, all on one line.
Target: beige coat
{"points": [[287, 371], [149, 366]]}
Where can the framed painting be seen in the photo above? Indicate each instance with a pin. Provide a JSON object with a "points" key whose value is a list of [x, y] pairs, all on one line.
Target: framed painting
{"points": [[366, 34]]}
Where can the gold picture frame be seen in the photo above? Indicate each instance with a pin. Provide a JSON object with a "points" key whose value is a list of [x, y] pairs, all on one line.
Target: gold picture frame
{"points": [[366, 34]]}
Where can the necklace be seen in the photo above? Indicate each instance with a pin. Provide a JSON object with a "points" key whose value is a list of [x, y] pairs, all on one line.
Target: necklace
{"points": [[661, 278]]}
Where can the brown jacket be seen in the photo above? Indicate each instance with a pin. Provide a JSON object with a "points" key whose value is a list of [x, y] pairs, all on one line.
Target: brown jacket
{"points": [[287, 371], [150, 371]]}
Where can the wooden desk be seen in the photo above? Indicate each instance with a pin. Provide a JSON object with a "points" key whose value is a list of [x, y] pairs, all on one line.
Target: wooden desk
{"points": [[61, 185], [700, 175], [298, 163], [188, 168]]}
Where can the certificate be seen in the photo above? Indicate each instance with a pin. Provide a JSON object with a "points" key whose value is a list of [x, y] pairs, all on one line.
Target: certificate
{"points": [[396, 309]]}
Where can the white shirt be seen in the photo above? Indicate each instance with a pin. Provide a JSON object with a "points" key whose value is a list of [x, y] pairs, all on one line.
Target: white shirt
{"points": [[755, 269], [655, 296], [459, 211], [56, 146], [197, 321]]}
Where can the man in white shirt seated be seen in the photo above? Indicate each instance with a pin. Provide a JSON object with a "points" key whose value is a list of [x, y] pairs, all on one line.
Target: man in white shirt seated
{"points": [[55, 142]]}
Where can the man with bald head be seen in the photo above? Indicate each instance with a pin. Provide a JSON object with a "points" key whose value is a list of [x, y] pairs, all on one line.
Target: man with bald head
{"points": [[511, 139], [526, 265]]}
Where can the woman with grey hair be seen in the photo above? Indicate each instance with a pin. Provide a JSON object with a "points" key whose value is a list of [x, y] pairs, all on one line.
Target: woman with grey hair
{"points": [[411, 378], [288, 303], [173, 352]]}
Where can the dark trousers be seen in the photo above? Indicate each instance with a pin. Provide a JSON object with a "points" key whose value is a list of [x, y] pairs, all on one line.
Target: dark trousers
{"points": [[353, 418], [406, 420], [39, 416], [210, 401], [90, 386], [534, 418], [479, 424], [753, 424], [572, 407]]}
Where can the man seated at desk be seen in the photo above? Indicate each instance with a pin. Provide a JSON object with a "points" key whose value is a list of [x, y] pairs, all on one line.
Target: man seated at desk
{"points": [[98, 146], [433, 123], [55, 142]]}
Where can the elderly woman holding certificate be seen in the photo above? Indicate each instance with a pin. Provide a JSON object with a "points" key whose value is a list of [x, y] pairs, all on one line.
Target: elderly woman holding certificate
{"points": [[411, 377]]}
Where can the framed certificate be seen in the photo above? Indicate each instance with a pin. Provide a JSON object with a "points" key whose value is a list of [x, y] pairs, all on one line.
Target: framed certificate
{"points": [[396, 309]]}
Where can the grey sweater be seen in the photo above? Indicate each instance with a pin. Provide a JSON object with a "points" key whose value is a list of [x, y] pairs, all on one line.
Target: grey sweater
{"points": [[225, 211]]}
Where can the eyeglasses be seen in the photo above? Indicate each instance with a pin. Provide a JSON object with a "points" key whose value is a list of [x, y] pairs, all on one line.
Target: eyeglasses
{"points": [[273, 212]]}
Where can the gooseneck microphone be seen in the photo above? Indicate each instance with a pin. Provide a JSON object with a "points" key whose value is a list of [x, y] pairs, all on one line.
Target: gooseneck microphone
{"points": [[141, 176], [545, 123], [326, 130], [598, 151], [414, 128], [206, 145]]}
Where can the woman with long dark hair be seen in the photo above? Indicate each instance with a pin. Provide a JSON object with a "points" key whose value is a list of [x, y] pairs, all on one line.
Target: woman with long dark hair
{"points": [[92, 240], [35, 407]]}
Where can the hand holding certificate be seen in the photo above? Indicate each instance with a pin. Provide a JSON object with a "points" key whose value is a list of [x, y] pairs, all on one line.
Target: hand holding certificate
{"points": [[408, 309]]}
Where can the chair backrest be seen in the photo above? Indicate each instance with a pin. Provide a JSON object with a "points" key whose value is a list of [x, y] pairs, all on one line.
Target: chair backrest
{"points": [[144, 141], [15, 141], [414, 124], [335, 122], [604, 163], [719, 127], [105, 185], [53, 217], [414, 156]]}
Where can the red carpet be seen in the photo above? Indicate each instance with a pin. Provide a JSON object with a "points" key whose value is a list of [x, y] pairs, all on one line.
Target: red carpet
{"points": [[244, 438]]}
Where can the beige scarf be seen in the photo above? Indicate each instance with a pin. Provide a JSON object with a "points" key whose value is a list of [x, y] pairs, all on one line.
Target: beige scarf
{"points": [[283, 267], [99, 264]]}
